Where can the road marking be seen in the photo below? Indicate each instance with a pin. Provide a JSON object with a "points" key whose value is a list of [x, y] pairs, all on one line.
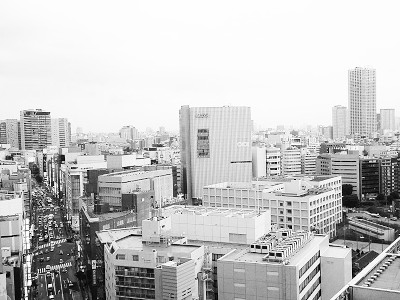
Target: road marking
{"points": [[52, 243], [56, 267]]}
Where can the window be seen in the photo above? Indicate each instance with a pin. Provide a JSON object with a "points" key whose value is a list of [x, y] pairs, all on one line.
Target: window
{"points": [[203, 143], [120, 256], [135, 257]]}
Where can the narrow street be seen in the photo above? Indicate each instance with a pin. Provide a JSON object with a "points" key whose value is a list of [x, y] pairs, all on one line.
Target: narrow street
{"points": [[53, 249]]}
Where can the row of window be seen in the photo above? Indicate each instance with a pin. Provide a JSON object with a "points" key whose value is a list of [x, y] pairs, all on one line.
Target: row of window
{"points": [[309, 278], [312, 289], [309, 264]]}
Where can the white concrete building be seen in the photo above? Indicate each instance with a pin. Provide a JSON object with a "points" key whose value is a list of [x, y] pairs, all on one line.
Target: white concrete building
{"points": [[60, 132], [151, 266], [308, 162], [215, 224], [119, 162], [298, 203], [285, 265], [112, 186], [273, 158], [291, 161], [215, 146], [259, 161]]}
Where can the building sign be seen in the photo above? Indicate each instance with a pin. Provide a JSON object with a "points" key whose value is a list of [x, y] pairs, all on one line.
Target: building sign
{"points": [[243, 144], [94, 271], [201, 116]]}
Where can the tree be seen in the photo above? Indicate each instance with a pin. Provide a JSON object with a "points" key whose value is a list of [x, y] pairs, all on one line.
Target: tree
{"points": [[380, 197], [347, 189], [350, 201], [395, 195]]}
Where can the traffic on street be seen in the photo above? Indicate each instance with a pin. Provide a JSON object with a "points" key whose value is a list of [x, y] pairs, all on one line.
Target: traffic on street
{"points": [[54, 251]]}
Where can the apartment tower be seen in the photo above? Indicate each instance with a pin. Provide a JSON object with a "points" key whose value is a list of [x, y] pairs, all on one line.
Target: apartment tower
{"points": [[362, 101], [35, 129], [339, 122], [215, 147]]}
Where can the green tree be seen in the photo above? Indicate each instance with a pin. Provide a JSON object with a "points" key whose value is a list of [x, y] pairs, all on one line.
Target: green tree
{"points": [[347, 189], [350, 201]]}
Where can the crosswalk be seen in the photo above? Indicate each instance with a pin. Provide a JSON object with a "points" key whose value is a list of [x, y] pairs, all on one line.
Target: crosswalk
{"points": [[56, 267], [52, 243]]}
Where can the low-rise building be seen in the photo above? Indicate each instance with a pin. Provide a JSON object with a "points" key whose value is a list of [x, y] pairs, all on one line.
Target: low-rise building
{"points": [[284, 265], [112, 186], [298, 203]]}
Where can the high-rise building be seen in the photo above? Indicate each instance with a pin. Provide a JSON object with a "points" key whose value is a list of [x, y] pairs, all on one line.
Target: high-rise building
{"points": [[35, 129], [215, 146], [129, 133], [362, 101], [9, 132], [339, 122], [387, 120], [60, 132]]}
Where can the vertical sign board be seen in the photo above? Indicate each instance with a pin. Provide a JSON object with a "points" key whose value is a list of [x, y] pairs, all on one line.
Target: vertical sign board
{"points": [[94, 271]]}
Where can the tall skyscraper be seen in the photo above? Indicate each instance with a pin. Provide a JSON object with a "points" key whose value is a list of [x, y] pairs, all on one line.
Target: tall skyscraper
{"points": [[215, 147], [388, 120], [60, 132], [9, 132], [35, 129], [362, 101], [339, 122]]}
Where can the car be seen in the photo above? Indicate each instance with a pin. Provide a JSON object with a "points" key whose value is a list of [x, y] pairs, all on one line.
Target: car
{"points": [[41, 259], [48, 274], [64, 270], [33, 275], [61, 252], [52, 248], [40, 239], [47, 258], [48, 268], [61, 261], [59, 245], [40, 252], [393, 218], [46, 251]]}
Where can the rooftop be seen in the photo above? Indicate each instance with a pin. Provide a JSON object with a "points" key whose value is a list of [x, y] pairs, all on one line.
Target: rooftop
{"points": [[107, 236], [107, 216], [211, 211], [278, 249], [135, 242], [385, 275]]}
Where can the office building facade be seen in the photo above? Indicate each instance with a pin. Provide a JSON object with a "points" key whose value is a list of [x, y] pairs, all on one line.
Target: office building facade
{"points": [[35, 129], [215, 147]]}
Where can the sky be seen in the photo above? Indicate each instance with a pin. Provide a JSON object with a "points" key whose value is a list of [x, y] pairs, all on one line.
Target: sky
{"points": [[106, 64]]}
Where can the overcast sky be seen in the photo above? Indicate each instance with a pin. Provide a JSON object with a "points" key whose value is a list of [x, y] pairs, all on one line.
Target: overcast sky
{"points": [[105, 64]]}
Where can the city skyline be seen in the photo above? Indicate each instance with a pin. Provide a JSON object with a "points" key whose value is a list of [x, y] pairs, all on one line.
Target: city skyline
{"points": [[136, 64]]}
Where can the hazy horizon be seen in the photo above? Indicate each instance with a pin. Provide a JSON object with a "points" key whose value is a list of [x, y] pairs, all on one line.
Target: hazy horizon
{"points": [[104, 65]]}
